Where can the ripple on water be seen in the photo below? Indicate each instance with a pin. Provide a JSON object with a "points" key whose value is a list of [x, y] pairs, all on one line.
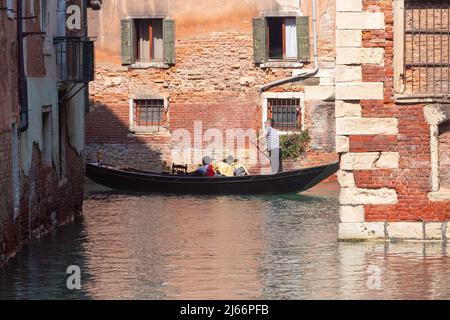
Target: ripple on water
{"points": [[132, 246]]}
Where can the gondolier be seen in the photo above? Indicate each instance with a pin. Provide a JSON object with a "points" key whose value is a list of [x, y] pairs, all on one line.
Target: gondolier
{"points": [[273, 146]]}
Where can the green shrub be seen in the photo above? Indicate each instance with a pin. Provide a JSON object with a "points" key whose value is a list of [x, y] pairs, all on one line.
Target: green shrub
{"points": [[293, 145]]}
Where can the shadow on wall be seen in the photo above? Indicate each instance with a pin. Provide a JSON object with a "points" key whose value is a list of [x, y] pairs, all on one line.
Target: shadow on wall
{"points": [[107, 129]]}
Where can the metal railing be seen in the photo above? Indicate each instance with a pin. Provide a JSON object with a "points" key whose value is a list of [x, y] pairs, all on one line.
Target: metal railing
{"points": [[74, 59]]}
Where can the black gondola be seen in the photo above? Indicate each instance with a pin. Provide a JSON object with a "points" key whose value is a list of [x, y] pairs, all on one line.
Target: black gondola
{"points": [[142, 181]]}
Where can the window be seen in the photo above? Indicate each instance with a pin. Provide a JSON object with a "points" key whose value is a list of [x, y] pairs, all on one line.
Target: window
{"points": [[149, 112], [281, 38], [427, 47], [47, 134], [147, 41], [285, 113]]}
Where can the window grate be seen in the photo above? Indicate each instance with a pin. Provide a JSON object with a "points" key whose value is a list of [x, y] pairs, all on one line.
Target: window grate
{"points": [[149, 112], [285, 113], [427, 46]]}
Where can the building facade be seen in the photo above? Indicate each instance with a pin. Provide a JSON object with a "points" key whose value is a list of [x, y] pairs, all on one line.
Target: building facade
{"points": [[177, 80], [392, 109], [49, 64]]}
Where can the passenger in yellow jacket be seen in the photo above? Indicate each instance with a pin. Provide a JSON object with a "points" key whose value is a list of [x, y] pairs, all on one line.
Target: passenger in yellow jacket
{"points": [[229, 167], [223, 168]]}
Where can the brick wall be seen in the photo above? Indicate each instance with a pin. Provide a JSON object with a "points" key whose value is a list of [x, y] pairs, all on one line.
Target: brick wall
{"points": [[47, 199], [8, 114], [214, 81], [9, 71], [6, 196], [385, 146]]}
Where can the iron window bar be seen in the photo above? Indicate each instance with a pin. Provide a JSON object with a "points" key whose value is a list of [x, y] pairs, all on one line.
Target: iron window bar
{"points": [[427, 46], [149, 112], [285, 113]]}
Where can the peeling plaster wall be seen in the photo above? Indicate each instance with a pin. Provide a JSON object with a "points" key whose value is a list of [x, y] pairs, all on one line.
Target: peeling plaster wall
{"points": [[41, 92]]}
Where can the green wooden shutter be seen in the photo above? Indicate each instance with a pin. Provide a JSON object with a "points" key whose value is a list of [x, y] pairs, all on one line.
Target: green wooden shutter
{"points": [[169, 41], [259, 40], [303, 38], [127, 46]]}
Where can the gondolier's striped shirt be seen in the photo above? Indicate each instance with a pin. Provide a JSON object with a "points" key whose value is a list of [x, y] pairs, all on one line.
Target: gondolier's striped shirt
{"points": [[273, 139]]}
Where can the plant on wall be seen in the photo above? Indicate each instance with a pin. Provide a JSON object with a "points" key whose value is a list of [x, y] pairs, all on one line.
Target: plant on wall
{"points": [[293, 145]]}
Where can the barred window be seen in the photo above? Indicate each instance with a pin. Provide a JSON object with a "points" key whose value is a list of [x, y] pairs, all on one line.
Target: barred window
{"points": [[148, 112], [285, 113], [427, 46]]}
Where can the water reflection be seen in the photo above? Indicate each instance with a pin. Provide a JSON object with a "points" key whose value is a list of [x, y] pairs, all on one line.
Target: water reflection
{"points": [[159, 247]]}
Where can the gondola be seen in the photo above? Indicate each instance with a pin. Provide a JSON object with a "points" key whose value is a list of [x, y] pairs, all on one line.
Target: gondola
{"points": [[126, 179]]}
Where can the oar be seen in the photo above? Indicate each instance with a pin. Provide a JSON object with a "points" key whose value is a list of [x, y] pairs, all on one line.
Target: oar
{"points": [[257, 147]]}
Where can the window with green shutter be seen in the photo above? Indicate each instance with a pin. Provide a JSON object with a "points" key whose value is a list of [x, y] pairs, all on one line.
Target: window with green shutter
{"points": [[303, 38], [169, 41], [147, 41], [281, 38], [127, 45], [259, 40]]}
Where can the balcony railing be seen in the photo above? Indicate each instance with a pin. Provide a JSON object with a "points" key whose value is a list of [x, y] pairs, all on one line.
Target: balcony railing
{"points": [[74, 60]]}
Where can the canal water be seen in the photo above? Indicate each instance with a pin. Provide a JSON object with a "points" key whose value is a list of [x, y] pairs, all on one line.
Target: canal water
{"points": [[131, 246]]}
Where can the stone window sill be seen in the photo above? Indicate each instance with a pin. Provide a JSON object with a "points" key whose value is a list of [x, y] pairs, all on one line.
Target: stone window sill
{"points": [[421, 98], [281, 64], [145, 131], [149, 65], [441, 195]]}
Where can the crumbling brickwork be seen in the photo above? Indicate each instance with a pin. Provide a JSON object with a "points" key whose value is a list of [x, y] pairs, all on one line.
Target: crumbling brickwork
{"points": [[214, 82], [8, 115]]}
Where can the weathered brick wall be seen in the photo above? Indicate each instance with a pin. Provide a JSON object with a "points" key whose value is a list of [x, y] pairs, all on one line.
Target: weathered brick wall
{"points": [[6, 196], [214, 81], [444, 155], [386, 153], [8, 70], [8, 113], [321, 124], [46, 200]]}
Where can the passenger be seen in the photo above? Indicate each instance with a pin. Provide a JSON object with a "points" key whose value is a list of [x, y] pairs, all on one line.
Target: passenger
{"points": [[239, 169], [210, 171], [202, 171], [224, 168]]}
